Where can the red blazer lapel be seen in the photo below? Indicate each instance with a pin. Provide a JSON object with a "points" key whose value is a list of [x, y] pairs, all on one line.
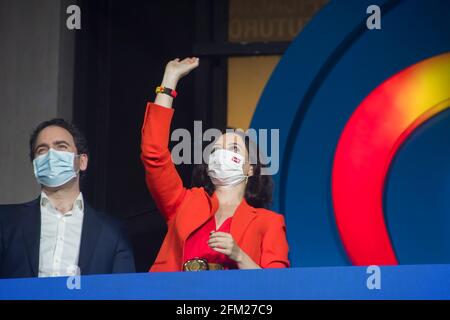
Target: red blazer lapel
{"points": [[198, 213], [243, 216]]}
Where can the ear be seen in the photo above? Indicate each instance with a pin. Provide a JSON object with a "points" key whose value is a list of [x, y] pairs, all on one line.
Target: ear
{"points": [[250, 171], [84, 159]]}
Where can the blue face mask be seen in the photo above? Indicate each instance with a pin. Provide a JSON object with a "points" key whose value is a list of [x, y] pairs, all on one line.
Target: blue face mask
{"points": [[55, 168]]}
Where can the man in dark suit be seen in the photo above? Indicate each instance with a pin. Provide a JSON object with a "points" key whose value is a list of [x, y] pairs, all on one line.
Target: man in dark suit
{"points": [[59, 234]]}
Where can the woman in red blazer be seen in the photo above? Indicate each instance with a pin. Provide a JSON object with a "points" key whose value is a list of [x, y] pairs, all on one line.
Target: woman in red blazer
{"points": [[222, 223]]}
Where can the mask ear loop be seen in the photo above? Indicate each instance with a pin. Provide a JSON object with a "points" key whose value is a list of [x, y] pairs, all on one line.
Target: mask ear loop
{"points": [[77, 172], [246, 177]]}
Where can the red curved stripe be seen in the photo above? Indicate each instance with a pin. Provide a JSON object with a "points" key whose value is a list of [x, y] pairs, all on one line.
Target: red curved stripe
{"points": [[371, 138]]}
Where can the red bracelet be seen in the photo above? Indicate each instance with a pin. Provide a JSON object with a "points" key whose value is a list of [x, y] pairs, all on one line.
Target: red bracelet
{"points": [[167, 91]]}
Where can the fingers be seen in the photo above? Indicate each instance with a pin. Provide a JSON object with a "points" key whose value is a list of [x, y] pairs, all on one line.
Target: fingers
{"points": [[226, 252], [221, 234], [221, 240], [214, 239], [223, 243], [220, 237], [196, 61], [190, 60]]}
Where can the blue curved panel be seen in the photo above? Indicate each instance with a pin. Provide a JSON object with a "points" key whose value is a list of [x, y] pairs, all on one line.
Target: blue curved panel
{"points": [[417, 200], [328, 70]]}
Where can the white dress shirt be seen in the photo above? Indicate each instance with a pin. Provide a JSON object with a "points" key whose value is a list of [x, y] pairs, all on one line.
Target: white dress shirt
{"points": [[60, 238]]}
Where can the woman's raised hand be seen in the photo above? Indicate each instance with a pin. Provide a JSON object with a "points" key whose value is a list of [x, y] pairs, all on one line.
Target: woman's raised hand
{"points": [[177, 69]]}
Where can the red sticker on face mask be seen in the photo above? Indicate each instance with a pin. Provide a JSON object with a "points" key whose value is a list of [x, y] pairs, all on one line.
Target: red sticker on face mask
{"points": [[236, 159]]}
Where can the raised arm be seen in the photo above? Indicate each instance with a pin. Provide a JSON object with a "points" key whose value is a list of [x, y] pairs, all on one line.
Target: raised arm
{"points": [[175, 70], [161, 176]]}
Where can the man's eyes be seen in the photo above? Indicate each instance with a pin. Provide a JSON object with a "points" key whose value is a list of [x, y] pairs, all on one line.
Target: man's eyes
{"points": [[44, 150], [41, 151]]}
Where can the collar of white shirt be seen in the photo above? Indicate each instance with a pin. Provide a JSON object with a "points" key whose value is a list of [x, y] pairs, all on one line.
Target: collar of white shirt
{"points": [[77, 208]]}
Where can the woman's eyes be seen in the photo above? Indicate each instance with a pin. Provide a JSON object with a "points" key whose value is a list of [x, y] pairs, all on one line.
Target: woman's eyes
{"points": [[235, 149]]}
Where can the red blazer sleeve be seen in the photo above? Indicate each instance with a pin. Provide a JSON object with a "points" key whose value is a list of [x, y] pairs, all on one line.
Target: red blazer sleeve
{"points": [[162, 178], [275, 247]]}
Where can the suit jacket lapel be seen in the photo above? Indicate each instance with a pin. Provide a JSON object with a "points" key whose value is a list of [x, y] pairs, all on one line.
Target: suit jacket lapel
{"points": [[89, 237], [199, 215], [243, 216], [32, 233]]}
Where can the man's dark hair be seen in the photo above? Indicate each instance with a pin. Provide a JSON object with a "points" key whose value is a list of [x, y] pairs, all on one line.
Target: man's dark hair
{"points": [[78, 137]]}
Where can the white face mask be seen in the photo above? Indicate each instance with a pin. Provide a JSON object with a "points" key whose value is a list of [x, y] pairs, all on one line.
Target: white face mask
{"points": [[225, 168]]}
